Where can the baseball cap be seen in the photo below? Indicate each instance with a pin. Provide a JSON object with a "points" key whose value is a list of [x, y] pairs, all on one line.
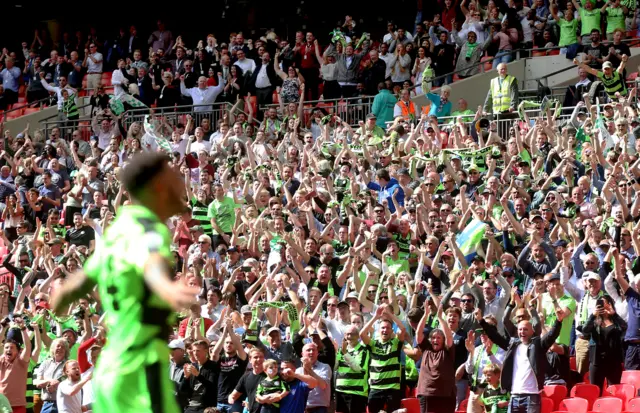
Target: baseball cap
{"points": [[343, 303], [43, 304], [174, 344], [353, 295], [69, 329], [232, 249], [246, 309], [272, 329], [448, 253], [606, 65], [590, 275], [507, 270], [55, 241], [371, 116], [477, 258], [552, 276], [560, 243], [534, 216]]}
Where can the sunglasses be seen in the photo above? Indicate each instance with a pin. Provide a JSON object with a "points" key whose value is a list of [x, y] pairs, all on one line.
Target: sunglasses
{"points": [[466, 300]]}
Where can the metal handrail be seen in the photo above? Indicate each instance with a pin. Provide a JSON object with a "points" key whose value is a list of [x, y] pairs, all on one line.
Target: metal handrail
{"points": [[518, 51]]}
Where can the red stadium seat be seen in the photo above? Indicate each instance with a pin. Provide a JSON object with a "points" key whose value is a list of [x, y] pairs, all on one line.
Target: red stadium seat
{"points": [[22, 100], [607, 405], [28, 111], [631, 377], [574, 405], [587, 391], [555, 393], [547, 405], [412, 405], [625, 392], [572, 363], [538, 53], [633, 405], [463, 406], [632, 76], [554, 52]]}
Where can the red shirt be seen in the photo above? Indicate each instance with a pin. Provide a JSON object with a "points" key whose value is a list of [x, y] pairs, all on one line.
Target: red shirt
{"points": [[183, 326], [307, 55]]}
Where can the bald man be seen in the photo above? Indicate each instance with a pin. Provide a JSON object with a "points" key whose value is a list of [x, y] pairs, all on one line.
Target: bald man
{"points": [[203, 96], [525, 361]]}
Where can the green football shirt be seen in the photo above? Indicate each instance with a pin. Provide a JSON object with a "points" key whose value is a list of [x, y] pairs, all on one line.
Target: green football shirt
{"points": [[550, 316], [224, 213], [138, 320]]}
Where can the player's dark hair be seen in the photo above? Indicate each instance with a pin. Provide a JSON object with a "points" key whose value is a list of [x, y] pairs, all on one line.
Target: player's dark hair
{"points": [[141, 170]]}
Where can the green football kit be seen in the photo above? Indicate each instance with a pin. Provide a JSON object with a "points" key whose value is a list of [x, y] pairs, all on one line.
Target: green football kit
{"points": [[131, 373]]}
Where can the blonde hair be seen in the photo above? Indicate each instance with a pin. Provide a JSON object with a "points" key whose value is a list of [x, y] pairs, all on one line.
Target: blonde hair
{"points": [[54, 343], [269, 363]]}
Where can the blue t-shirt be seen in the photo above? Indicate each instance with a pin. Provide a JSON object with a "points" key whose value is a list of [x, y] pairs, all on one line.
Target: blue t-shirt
{"points": [[296, 400], [633, 305]]}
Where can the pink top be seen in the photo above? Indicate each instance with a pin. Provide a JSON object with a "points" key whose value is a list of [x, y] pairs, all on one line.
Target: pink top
{"points": [[506, 39]]}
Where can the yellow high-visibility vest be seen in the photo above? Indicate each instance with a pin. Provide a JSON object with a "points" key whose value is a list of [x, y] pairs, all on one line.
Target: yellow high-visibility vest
{"points": [[500, 95]]}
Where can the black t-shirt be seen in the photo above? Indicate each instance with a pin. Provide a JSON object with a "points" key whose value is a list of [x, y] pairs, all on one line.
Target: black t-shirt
{"points": [[599, 51], [248, 385], [620, 49], [82, 236], [231, 370], [202, 389]]}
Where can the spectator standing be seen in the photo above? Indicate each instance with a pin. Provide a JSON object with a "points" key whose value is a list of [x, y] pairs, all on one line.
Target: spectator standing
{"points": [[93, 63], [14, 364]]}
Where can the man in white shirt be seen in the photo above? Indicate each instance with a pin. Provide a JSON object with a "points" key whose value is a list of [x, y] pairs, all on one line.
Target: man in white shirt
{"points": [[58, 89], [247, 65], [93, 62], [203, 96], [120, 82], [264, 80], [69, 394], [386, 57], [525, 361]]}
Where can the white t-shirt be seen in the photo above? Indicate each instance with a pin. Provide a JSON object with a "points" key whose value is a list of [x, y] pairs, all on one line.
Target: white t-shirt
{"points": [[87, 391], [67, 403], [524, 379]]}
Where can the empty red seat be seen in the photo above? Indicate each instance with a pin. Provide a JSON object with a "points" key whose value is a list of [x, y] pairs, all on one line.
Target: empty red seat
{"points": [[633, 405], [625, 392], [547, 405], [537, 53], [632, 76], [412, 405], [22, 99], [607, 405], [631, 377], [28, 111], [587, 391], [554, 52], [555, 393], [574, 405]]}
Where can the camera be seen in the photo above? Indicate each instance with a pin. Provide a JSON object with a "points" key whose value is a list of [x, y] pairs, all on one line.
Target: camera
{"points": [[78, 313]]}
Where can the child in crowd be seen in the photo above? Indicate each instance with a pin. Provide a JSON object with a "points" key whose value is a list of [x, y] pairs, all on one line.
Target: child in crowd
{"points": [[270, 386], [494, 397]]}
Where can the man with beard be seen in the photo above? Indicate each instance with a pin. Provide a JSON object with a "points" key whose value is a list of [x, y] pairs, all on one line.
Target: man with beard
{"points": [[69, 395], [13, 371]]}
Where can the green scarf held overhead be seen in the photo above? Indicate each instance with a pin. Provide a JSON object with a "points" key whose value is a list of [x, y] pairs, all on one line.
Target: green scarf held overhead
{"points": [[526, 104], [470, 49], [292, 311], [190, 326]]}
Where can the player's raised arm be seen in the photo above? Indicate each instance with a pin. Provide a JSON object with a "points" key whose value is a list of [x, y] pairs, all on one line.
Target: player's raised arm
{"points": [[74, 287], [157, 275]]}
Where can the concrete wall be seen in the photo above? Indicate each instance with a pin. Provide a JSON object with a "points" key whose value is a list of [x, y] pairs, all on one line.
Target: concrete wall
{"points": [[34, 119], [474, 89]]}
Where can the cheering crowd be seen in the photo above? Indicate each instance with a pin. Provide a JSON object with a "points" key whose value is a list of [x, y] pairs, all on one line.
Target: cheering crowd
{"points": [[341, 269]]}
